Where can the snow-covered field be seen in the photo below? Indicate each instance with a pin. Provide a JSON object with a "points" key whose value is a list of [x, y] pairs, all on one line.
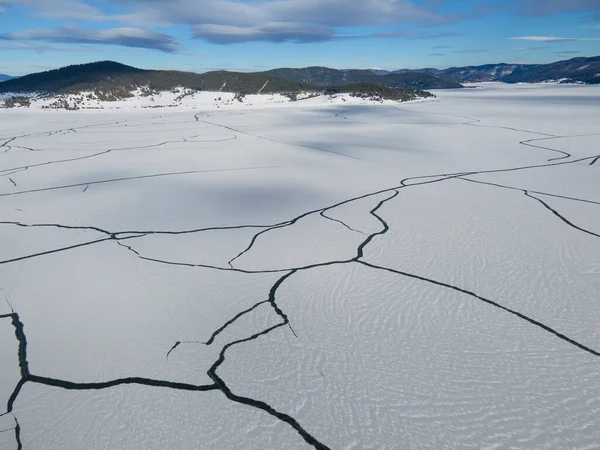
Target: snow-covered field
{"points": [[316, 274], [182, 98]]}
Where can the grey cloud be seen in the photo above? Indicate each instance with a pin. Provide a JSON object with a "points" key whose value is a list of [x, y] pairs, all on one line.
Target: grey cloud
{"points": [[233, 21], [331, 13], [472, 50], [314, 12], [411, 34], [127, 37], [293, 32], [194, 12], [42, 48], [60, 9], [273, 32], [522, 49], [356, 13]]}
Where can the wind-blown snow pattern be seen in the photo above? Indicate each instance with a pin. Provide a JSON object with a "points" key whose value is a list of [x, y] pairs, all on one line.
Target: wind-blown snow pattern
{"points": [[326, 274]]}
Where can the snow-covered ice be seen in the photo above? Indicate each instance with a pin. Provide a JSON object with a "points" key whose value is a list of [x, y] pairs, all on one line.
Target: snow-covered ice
{"points": [[192, 271]]}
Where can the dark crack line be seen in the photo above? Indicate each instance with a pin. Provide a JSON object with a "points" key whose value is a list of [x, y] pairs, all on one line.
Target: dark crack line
{"points": [[5, 144], [128, 247], [142, 147], [197, 230], [232, 320], [208, 266], [510, 169], [57, 225], [256, 236], [219, 384], [477, 123], [12, 181], [71, 247], [177, 344], [72, 386], [55, 132], [528, 144], [264, 271], [140, 177], [430, 179], [328, 208], [257, 403], [595, 160], [27, 376], [18, 435], [55, 162], [544, 204], [235, 130], [8, 174], [560, 216], [325, 216], [373, 212], [126, 234], [57, 250], [272, 301], [489, 302], [530, 191]]}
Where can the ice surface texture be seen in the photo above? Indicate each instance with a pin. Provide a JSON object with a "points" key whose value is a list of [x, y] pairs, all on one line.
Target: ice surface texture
{"points": [[317, 274]]}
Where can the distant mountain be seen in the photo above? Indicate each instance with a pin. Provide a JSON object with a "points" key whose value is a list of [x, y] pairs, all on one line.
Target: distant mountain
{"points": [[113, 80], [585, 70], [109, 80], [4, 77], [324, 76]]}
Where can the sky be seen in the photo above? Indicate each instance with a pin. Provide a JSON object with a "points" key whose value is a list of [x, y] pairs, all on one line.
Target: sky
{"points": [[256, 35]]}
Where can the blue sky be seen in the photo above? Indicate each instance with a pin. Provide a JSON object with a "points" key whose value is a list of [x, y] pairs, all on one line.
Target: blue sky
{"points": [[253, 35]]}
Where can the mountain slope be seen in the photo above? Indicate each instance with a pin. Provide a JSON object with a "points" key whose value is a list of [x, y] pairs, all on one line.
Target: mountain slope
{"points": [[4, 77], [585, 70], [114, 80], [108, 81], [324, 76]]}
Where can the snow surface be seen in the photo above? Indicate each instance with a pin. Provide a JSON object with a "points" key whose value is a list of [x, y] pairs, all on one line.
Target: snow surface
{"points": [[327, 273]]}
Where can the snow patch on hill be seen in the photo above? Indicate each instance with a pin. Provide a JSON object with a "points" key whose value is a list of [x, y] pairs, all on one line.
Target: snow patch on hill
{"points": [[145, 98]]}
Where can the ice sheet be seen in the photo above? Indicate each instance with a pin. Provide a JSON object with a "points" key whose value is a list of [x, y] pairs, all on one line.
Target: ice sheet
{"points": [[186, 271]]}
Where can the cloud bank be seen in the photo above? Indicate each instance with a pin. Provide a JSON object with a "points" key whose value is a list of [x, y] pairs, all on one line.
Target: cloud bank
{"points": [[550, 39], [127, 37], [237, 21]]}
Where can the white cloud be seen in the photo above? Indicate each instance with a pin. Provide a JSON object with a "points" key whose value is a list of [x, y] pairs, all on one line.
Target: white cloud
{"points": [[550, 39]]}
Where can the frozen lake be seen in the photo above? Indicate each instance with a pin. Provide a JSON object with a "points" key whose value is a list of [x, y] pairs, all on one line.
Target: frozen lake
{"points": [[318, 274]]}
